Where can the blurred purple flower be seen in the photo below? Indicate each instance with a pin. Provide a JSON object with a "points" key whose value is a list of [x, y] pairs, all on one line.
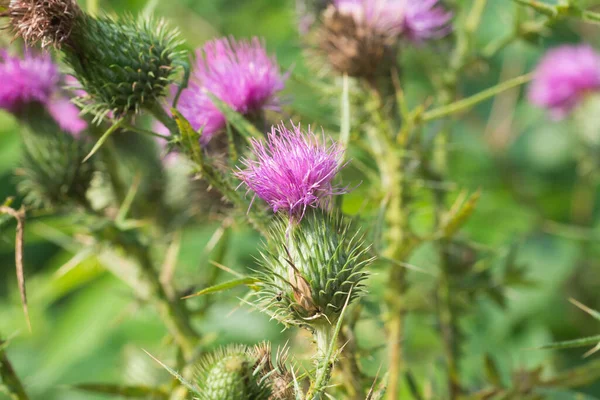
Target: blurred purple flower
{"points": [[426, 19], [563, 77], [293, 170], [35, 79], [417, 20], [240, 73]]}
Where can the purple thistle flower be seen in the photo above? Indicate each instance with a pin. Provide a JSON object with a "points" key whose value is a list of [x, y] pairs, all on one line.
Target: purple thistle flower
{"points": [[417, 20], [426, 19], [34, 79], [240, 73], [293, 170], [563, 77]]}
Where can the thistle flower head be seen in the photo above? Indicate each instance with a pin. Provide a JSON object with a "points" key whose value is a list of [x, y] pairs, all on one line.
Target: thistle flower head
{"points": [[293, 170], [34, 80], [47, 21], [240, 73], [563, 77]]}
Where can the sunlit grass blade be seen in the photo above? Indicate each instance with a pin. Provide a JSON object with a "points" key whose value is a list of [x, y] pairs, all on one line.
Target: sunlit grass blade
{"points": [[191, 387], [585, 308], [131, 392], [569, 344], [225, 286]]}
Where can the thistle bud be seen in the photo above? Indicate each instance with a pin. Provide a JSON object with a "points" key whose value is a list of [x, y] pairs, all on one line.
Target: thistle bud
{"points": [[52, 173], [231, 373], [123, 65], [310, 270]]}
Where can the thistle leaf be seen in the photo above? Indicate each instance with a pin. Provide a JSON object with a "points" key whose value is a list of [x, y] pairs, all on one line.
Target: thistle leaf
{"points": [[237, 120]]}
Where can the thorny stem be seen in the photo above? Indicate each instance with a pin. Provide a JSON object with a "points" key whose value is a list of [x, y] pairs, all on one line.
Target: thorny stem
{"points": [[353, 376], [391, 164], [172, 311], [10, 380]]}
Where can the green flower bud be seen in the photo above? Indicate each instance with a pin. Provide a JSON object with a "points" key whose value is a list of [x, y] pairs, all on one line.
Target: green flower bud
{"points": [[123, 65], [310, 269], [232, 373], [52, 173]]}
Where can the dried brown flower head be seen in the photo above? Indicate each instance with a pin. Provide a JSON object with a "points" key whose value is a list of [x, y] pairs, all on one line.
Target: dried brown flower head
{"points": [[280, 378], [352, 48], [48, 22]]}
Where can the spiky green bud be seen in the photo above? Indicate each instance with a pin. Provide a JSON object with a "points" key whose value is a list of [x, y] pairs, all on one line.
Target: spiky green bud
{"points": [[232, 373], [52, 173], [123, 65], [310, 269]]}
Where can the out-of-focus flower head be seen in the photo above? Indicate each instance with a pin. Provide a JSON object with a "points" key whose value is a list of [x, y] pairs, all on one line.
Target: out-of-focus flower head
{"points": [[563, 77], [293, 170], [425, 20], [360, 37], [34, 79], [240, 73], [417, 20]]}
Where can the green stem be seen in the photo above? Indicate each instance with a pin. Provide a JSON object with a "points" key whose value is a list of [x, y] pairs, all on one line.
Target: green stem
{"points": [[161, 115], [9, 377], [172, 311], [470, 102]]}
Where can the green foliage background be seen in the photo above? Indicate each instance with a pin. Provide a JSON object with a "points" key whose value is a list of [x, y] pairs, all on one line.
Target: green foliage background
{"points": [[88, 328]]}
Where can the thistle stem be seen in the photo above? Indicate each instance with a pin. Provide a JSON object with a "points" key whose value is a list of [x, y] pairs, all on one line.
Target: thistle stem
{"points": [[11, 381], [470, 102]]}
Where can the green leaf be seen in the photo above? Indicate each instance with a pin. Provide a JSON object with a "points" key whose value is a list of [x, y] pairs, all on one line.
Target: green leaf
{"points": [[104, 138], [226, 286], [132, 392], [460, 213], [569, 344], [243, 126]]}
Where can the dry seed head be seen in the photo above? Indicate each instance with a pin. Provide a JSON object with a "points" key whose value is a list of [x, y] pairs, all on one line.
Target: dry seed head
{"points": [[49, 22]]}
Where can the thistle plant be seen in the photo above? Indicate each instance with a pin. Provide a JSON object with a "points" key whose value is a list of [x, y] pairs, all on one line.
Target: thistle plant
{"points": [[123, 65], [383, 248]]}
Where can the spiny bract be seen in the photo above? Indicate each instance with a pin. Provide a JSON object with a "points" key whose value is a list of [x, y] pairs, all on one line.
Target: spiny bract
{"points": [[311, 268]]}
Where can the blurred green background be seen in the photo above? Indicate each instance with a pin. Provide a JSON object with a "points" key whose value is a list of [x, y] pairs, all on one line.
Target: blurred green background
{"points": [[87, 327]]}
